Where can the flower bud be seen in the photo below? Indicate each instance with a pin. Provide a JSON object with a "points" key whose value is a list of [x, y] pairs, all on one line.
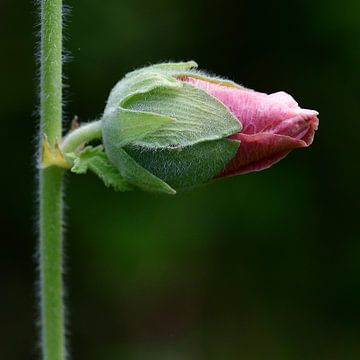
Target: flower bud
{"points": [[168, 126]]}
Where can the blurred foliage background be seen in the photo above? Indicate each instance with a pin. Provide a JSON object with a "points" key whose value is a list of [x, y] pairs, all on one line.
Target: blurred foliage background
{"points": [[262, 266]]}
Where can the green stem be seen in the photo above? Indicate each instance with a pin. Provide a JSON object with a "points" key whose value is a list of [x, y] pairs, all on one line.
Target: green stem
{"points": [[51, 287], [81, 135], [50, 186]]}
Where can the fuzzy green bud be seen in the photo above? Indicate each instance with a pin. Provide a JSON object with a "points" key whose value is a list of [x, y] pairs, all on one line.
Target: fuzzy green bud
{"points": [[163, 134]]}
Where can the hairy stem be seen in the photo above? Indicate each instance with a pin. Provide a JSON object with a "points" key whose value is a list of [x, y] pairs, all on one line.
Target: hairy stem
{"points": [[50, 186], [81, 135]]}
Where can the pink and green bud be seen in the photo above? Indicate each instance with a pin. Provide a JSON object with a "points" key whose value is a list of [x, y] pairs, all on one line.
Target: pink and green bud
{"points": [[167, 127]]}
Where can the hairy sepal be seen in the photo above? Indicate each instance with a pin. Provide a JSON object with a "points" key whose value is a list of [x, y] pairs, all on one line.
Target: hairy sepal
{"points": [[96, 160], [136, 174], [138, 82], [187, 167], [197, 117], [188, 68]]}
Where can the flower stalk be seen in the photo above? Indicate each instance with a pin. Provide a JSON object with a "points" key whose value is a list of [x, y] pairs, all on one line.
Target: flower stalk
{"points": [[52, 327], [81, 135]]}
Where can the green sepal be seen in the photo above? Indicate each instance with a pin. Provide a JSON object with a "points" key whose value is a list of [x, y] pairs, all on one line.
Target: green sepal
{"points": [[121, 125], [173, 68], [137, 175], [189, 68], [96, 160], [197, 116], [138, 82], [125, 126], [190, 166]]}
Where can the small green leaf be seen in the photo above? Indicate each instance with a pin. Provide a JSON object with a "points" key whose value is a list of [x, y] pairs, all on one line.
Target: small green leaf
{"points": [[137, 175], [95, 159]]}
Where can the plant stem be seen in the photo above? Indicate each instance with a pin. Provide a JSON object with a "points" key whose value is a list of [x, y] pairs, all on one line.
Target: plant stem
{"points": [[50, 186], [51, 287], [81, 135]]}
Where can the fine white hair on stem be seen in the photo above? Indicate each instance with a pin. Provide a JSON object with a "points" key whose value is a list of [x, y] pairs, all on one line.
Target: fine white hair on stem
{"points": [[66, 58], [60, 12]]}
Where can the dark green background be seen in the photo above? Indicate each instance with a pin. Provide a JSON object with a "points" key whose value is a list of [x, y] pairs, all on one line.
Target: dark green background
{"points": [[261, 266]]}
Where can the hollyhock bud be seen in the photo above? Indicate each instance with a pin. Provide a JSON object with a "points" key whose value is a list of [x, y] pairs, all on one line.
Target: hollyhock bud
{"points": [[169, 126]]}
